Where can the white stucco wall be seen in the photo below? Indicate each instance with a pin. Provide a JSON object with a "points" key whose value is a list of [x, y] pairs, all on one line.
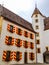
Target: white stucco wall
{"points": [[40, 30], [5, 33]]}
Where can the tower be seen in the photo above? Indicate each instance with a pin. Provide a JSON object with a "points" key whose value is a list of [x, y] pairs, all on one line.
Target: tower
{"points": [[38, 25]]}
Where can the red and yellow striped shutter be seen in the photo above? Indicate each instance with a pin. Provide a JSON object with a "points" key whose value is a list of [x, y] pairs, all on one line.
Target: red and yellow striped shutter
{"points": [[14, 55], [32, 36], [11, 55], [21, 32], [20, 43], [8, 27], [16, 41], [12, 41], [20, 55], [16, 30], [4, 55], [6, 39], [13, 29]]}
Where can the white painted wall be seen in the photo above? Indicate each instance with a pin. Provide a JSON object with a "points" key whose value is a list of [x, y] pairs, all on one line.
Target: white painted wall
{"points": [[5, 33], [40, 30]]}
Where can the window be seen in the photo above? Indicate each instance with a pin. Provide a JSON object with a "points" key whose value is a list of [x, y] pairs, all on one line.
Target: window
{"points": [[6, 55], [9, 40], [47, 48], [11, 28], [36, 20], [37, 27], [18, 31], [37, 34], [18, 42], [25, 33], [36, 15], [31, 45], [31, 36], [18, 56], [38, 41], [31, 56], [38, 50], [25, 44]]}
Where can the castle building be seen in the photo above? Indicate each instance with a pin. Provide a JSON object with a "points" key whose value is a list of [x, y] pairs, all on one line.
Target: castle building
{"points": [[17, 39], [22, 42]]}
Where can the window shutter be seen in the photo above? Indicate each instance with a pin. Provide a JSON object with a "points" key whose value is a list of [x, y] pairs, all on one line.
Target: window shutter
{"points": [[8, 27], [18, 42], [11, 55], [31, 55], [6, 39], [4, 55], [14, 55], [20, 55], [25, 44], [16, 30], [12, 41]]}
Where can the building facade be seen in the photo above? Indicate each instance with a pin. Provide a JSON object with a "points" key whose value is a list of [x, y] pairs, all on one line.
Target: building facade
{"points": [[17, 39]]}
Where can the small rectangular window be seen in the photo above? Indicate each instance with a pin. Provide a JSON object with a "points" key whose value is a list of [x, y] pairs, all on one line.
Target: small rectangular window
{"points": [[37, 34], [36, 15], [38, 50], [38, 41], [37, 27], [47, 48], [36, 20]]}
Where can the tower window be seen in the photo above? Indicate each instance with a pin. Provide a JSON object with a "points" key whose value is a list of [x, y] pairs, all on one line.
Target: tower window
{"points": [[37, 27], [38, 50], [36, 15], [36, 20], [46, 48], [37, 34], [38, 41]]}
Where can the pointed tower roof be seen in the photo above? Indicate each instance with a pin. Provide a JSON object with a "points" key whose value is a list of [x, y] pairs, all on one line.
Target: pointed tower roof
{"points": [[36, 11]]}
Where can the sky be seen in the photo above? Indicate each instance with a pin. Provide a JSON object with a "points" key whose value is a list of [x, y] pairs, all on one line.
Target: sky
{"points": [[25, 8]]}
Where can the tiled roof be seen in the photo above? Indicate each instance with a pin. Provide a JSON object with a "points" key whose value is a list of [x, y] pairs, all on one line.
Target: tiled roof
{"points": [[15, 18], [36, 11]]}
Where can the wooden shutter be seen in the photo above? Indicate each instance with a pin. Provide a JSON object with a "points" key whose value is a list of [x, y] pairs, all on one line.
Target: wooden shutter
{"points": [[18, 42], [20, 55], [16, 30], [11, 55], [8, 27], [25, 33], [31, 45], [4, 55], [14, 55], [31, 56], [25, 44]]}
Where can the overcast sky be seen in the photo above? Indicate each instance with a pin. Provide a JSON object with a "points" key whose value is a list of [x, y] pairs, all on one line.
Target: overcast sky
{"points": [[25, 8]]}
